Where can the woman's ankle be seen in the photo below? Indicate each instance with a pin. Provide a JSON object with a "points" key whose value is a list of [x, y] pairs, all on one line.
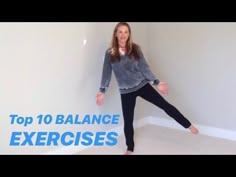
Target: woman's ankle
{"points": [[128, 152]]}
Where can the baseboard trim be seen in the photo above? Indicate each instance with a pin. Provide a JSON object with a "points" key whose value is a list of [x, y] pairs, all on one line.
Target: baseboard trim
{"points": [[205, 130], [158, 121]]}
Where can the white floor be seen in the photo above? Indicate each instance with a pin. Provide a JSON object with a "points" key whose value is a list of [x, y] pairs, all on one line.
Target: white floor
{"points": [[155, 140]]}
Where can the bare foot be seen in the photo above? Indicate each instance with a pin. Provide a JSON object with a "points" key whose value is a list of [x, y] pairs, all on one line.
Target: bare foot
{"points": [[193, 130], [128, 152]]}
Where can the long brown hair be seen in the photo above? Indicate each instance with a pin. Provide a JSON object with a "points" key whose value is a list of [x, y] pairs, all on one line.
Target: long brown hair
{"points": [[132, 49]]}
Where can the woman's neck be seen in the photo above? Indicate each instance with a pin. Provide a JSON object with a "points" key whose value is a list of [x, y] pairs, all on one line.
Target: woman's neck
{"points": [[122, 45]]}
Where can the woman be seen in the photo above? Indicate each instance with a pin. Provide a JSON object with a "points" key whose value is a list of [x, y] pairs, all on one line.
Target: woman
{"points": [[134, 76]]}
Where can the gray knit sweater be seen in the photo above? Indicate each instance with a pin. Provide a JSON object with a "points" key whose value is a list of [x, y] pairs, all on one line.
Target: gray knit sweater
{"points": [[130, 74]]}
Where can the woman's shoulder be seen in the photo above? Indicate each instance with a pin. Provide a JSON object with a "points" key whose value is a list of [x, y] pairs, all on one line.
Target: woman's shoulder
{"points": [[137, 46], [108, 50], [138, 49]]}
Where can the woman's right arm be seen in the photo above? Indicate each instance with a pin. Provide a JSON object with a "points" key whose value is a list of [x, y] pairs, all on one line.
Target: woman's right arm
{"points": [[105, 81], [106, 73]]}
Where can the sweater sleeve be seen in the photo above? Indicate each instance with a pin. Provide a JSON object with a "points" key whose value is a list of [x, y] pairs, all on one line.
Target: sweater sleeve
{"points": [[145, 69], [106, 73]]}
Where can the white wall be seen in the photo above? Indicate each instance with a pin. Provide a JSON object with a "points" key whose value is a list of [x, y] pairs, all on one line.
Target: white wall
{"points": [[198, 62], [46, 69]]}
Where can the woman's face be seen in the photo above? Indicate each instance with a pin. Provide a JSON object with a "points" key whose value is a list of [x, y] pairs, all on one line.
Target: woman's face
{"points": [[122, 34]]}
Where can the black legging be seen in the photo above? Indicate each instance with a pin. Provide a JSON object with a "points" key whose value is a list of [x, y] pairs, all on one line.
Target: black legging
{"points": [[150, 94]]}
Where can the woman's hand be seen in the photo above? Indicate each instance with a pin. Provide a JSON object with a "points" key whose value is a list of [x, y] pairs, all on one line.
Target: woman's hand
{"points": [[99, 98], [162, 87]]}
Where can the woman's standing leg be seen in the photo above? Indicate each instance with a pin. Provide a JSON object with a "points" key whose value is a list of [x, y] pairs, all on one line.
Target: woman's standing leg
{"points": [[128, 105]]}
